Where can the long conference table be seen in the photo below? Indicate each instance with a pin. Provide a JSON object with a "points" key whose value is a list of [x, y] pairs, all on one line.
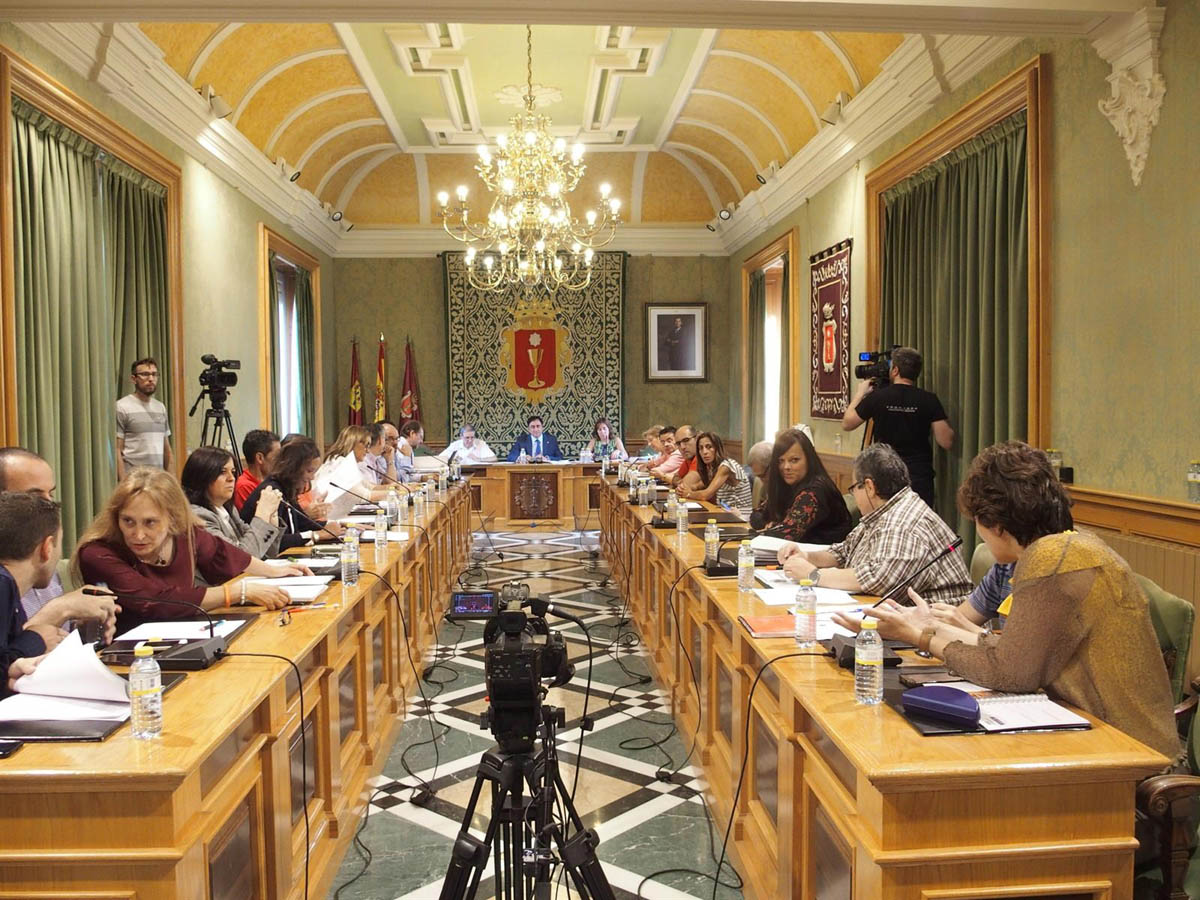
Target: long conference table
{"points": [[847, 801], [215, 807]]}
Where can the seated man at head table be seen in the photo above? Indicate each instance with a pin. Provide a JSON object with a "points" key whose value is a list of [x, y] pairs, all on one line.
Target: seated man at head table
{"points": [[758, 461], [1078, 625], [260, 449], [664, 439], [898, 535], [468, 448], [685, 475], [537, 444], [30, 548]]}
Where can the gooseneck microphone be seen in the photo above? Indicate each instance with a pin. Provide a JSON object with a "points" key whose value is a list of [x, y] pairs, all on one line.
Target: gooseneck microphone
{"points": [[945, 551], [354, 494], [386, 477], [297, 509], [104, 592], [187, 657]]}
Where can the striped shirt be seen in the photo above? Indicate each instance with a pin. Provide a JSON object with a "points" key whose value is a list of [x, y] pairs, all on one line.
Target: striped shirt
{"points": [[735, 492], [144, 429]]}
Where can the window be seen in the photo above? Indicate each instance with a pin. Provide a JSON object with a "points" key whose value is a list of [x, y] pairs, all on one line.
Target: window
{"points": [[287, 348]]}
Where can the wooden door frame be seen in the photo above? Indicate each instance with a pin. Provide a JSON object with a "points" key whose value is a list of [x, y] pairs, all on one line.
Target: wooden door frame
{"points": [[1027, 88], [21, 78], [269, 241], [785, 243]]}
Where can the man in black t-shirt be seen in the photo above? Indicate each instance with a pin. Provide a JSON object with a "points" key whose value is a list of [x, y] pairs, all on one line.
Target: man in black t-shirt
{"points": [[904, 415]]}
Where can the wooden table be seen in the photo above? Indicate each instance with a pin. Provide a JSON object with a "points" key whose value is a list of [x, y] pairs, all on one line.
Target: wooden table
{"points": [[215, 808], [518, 495], [848, 801]]}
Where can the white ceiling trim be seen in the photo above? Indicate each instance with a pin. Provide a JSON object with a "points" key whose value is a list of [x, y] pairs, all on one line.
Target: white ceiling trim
{"points": [[728, 135], [367, 75], [363, 171], [843, 57], [778, 73], [214, 41], [421, 168], [305, 107], [345, 160], [415, 241], [639, 183], [716, 163], [619, 63], [754, 111], [442, 63], [698, 173], [699, 57], [279, 69], [332, 133]]}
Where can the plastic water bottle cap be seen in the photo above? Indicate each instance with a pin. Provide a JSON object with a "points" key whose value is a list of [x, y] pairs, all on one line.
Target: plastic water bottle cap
{"points": [[712, 521], [745, 543], [143, 650], [870, 624], [806, 582]]}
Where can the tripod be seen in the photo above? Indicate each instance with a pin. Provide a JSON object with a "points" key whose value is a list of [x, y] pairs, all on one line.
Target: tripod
{"points": [[524, 855], [217, 418]]}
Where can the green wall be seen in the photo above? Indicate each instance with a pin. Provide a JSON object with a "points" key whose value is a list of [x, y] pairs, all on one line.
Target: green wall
{"points": [[405, 297], [219, 233], [1123, 261]]}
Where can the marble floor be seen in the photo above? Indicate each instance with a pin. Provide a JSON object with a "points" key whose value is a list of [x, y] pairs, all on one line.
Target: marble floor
{"points": [[647, 826]]}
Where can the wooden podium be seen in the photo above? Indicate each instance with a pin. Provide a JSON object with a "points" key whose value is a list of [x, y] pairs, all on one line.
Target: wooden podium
{"points": [[519, 495]]}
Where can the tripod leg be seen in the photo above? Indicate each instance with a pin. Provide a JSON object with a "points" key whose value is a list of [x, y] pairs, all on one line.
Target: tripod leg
{"points": [[579, 853], [469, 854]]}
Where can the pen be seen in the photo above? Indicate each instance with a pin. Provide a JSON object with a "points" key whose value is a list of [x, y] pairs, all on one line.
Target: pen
{"points": [[297, 609]]}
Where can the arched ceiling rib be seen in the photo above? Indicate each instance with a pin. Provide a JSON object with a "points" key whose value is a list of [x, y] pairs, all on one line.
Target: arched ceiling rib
{"points": [[335, 100]]}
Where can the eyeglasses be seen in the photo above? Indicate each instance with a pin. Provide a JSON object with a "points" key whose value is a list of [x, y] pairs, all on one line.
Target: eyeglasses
{"points": [[684, 440], [146, 374], [858, 484]]}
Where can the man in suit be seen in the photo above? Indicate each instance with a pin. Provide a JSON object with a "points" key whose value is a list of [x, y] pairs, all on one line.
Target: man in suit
{"points": [[537, 444]]}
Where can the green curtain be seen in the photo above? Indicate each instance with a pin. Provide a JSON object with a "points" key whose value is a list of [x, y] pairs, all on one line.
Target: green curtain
{"points": [[136, 260], [785, 349], [306, 344], [755, 336], [273, 308], [955, 287], [65, 384]]}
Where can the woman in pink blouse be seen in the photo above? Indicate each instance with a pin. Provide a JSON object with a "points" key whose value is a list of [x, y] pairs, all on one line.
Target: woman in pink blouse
{"points": [[147, 546]]}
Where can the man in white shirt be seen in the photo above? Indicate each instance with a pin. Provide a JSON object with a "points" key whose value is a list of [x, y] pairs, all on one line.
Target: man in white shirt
{"points": [[143, 434], [469, 448], [379, 465]]}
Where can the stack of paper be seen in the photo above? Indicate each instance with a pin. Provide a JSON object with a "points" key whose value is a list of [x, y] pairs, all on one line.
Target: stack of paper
{"points": [[766, 542], [313, 562], [369, 535], [298, 587], [189, 630], [831, 598], [68, 685]]}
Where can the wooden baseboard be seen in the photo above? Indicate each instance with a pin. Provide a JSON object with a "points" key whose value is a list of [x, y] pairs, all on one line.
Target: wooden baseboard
{"points": [[1152, 517]]}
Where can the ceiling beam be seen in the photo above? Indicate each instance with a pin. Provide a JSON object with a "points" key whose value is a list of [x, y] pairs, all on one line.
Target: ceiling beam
{"points": [[1000, 17]]}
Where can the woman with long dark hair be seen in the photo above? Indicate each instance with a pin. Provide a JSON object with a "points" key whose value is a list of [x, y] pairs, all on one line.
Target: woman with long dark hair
{"points": [[723, 480], [291, 476], [208, 482], [802, 502]]}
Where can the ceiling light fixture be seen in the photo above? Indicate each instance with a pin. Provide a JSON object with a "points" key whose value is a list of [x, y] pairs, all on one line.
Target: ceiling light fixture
{"points": [[726, 214], [833, 112], [216, 103], [768, 172], [531, 237], [337, 216]]}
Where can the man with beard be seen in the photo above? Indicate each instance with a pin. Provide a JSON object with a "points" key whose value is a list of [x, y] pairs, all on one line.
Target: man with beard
{"points": [[143, 434]]}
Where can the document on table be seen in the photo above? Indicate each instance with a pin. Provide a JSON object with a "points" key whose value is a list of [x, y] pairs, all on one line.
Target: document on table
{"points": [[292, 580], [831, 598], [190, 630], [999, 711], [766, 542], [394, 536], [313, 562], [70, 684]]}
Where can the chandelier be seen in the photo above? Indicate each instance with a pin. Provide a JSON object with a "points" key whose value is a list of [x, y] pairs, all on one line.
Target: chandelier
{"points": [[531, 237]]}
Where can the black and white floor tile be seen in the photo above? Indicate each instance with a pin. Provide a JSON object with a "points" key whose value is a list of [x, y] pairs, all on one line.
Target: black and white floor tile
{"points": [[646, 825]]}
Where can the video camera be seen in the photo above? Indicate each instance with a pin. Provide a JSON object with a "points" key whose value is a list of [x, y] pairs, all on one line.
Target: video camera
{"points": [[875, 365], [520, 653], [215, 381]]}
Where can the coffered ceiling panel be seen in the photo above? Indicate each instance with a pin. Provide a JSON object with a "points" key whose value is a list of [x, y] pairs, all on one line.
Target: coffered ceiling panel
{"points": [[380, 117]]}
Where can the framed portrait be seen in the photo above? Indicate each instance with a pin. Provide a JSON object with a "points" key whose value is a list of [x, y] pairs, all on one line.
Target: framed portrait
{"points": [[677, 342]]}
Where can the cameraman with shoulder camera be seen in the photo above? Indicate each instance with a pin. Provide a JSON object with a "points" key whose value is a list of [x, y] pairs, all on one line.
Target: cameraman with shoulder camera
{"points": [[903, 415]]}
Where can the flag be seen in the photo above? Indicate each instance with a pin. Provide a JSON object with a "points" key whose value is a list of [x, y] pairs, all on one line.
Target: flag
{"points": [[356, 407], [410, 399], [381, 382]]}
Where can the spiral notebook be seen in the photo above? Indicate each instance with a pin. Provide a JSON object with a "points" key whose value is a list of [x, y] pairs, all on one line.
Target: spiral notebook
{"points": [[1002, 713]]}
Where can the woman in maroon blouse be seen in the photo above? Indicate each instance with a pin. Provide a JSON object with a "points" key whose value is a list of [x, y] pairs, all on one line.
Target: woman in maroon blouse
{"points": [[146, 543], [802, 502]]}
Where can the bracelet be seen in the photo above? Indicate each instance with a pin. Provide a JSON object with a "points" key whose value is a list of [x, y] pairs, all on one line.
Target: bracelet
{"points": [[243, 603], [926, 638], [226, 586]]}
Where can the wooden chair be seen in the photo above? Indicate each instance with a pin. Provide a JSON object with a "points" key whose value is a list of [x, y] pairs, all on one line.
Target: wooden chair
{"points": [[981, 561], [852, 506], [1169, 801]]}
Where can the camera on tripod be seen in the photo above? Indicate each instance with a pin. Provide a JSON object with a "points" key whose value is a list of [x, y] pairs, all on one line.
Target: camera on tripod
{"points": [[875, 365], [215, 381], [523, 657]]}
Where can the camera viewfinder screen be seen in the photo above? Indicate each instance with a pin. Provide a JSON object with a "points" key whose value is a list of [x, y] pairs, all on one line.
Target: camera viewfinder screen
{"points": [[478, 604]]}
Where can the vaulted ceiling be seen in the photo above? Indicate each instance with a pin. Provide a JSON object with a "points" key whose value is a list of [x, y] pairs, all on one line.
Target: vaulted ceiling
{"points": [[378, 118]]}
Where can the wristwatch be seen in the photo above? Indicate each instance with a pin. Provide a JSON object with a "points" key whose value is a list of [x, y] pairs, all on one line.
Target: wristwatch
{"points": [[815, 577], [926, 638]]}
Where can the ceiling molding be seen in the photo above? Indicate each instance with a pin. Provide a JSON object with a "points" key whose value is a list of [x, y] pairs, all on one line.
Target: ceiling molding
{"points": [[639, 181], [305, 107], [753, 110], [416, 241], [843, 57], [330, 134], [212, 43], [364, 170], [444, 62], [778, 73], [712, 160], [728, 135], [358, 58], [610, 66], [699, 174], [279, 69], [421, 170], [699, 57], [344, 160]]}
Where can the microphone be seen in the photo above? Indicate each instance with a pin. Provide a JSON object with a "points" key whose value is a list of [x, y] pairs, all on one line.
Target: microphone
{"points": [[190, 656], [407, 489], [297, 509], [718, 569], [359, 496], [946, 551]]}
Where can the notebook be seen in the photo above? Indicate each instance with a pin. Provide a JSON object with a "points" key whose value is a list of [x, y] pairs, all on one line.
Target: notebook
{"points": [[1001, 713]]}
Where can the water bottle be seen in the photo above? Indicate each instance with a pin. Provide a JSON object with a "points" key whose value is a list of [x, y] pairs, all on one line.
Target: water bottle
{"points": [[402, 508], [647, 492], [681, 521], [1056, 461], [672, 504], [603, 466], [622, 471], [381, 536], [456, 470], [1194, 481], [868, 664], [712, 541], [523, 458], [805, 613], [145, 694], [443, 481], [418, 499], [393, 504], [745, 567], [350, 557]]}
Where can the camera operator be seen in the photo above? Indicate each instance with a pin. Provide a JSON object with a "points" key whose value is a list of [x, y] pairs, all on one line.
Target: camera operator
{"points": [[904, 414], [143, 433]]}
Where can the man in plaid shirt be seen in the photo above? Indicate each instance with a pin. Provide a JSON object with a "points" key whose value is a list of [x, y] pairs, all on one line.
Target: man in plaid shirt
{"points": [[898, 534]]}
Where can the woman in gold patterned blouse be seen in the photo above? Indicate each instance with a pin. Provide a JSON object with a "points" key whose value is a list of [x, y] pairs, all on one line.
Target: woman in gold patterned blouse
{"points": [[1079, 626]]}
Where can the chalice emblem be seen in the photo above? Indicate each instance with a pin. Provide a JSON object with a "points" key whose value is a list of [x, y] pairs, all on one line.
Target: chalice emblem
{"points": [[536, 353]]}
